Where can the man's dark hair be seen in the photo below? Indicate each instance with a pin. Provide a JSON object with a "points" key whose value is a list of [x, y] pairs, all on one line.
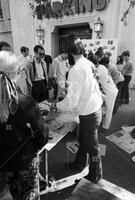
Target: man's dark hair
{"points": [[104, 61], [93, 59], [63, 50], [75, 47], [4, 44], [99, 52], [24, 49], [38, 47], [126, 53], [120, 60]]}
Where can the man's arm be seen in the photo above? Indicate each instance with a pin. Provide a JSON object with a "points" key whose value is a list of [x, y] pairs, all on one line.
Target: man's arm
{"points": [[75, 81], [54, 69], [29, 75]]}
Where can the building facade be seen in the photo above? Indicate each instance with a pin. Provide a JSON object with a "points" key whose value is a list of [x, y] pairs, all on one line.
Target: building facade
{"points": [[5, 22], [79, 17]]}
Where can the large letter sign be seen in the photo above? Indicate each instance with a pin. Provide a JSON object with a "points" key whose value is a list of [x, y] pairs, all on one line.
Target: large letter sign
{"points": [[85, 6], [99, 4], [70, 7]]}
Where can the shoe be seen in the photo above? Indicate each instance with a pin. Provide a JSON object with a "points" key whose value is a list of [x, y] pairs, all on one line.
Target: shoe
{"points": [[103, 130], [74, 166]]}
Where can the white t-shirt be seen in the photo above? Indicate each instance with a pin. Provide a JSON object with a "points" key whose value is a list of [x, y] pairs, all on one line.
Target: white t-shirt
{"points": [[83, 92], [59, 69], [23, 61]]}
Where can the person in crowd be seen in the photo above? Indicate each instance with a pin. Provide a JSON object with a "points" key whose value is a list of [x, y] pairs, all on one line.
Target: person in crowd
{"points": [[23, 61], [117, 78], [37, 75], [58, 73], [4, 46], [84, 97], [109, 89], [90, 55], [127, 73], [19, 144], [48, 61], [25, 55], [120, 63], [99, 53]]}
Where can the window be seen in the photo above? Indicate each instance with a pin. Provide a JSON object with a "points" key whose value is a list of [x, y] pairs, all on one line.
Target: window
{"points": [[1, 14]]}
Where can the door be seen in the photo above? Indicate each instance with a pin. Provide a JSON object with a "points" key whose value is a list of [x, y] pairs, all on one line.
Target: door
{"points": [[82, 31]]}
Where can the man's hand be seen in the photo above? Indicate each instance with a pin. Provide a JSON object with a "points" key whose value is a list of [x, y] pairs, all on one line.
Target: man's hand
{"points": [[45, 105], [54, 82]]}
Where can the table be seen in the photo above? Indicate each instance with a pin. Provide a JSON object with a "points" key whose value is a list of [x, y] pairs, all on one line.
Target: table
{"points": [[59, 124]]}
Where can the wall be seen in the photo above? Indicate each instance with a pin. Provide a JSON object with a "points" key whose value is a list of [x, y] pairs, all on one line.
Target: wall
{"points": [[23, 25], [108, 16], [127, 36], [7, 37], [5, 24]]}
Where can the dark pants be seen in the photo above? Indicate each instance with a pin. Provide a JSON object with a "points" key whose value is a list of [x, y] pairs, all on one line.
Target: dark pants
{"points": [[117, 101], [40, 91], [88, 138], [125, 90], [55, 87], [3, 182]]}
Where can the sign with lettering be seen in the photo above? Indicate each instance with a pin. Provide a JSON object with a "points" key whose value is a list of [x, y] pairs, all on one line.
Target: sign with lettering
{"points": [[71, 7]]}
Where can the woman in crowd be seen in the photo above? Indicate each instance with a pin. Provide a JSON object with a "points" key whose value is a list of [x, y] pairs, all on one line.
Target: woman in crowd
{"points": [[18, 143], [127, 73], [117, 78], [110, 91], [108, 88]]}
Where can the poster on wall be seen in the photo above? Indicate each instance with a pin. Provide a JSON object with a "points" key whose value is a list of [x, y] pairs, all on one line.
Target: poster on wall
{"points": [[108, 45]]}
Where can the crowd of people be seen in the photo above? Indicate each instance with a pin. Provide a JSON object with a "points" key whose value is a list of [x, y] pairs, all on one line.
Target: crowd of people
{"points": [[93, 86]]}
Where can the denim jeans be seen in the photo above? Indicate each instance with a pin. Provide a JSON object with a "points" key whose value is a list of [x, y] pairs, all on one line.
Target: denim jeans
{"points": [[88, 138]]}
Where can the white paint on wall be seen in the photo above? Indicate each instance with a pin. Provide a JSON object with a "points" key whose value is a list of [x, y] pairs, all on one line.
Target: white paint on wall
{"points": [[22, 24]]}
